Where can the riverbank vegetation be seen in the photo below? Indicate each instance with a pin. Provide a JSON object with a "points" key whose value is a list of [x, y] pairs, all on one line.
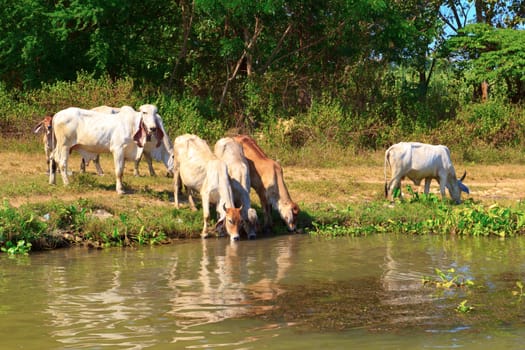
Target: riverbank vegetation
{"points": [[319, 84]]}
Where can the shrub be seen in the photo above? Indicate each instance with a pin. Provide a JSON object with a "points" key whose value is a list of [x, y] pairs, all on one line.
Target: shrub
{"points": [[185, 115], [17, 224]]}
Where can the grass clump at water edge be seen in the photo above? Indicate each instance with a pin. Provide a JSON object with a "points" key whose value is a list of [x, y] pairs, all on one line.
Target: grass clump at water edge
{"points": [[422, 214]]}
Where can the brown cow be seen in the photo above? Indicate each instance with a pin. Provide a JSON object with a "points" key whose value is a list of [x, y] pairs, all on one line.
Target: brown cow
{"points": [[266, 177]]}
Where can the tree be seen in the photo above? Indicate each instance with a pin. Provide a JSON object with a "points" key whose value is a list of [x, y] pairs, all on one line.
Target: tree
{"points": [[497, 13], [495, 55]]}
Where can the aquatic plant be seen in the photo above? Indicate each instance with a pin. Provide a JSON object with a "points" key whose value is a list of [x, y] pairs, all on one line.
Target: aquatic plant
{"points": [[463, 307], [20, 248], [447, 279], [519, 293]]}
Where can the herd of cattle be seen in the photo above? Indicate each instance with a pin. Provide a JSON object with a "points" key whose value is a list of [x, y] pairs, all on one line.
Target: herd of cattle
{"points": [[223, 177]]}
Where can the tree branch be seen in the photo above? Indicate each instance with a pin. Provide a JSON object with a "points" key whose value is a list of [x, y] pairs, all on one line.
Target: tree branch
{"points": [[257, 31], [276, 49]]}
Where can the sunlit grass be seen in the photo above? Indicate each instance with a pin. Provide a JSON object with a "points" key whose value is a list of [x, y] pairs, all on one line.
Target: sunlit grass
{"points": [[339, 194]]}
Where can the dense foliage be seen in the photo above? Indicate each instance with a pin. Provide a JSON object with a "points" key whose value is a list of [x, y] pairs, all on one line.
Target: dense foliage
{"points": [[246, 63]]}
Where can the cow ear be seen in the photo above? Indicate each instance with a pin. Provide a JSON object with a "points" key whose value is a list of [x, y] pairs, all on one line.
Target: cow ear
{"points": [[159, 133], [219, 226], [295, 209], [140, 135], [38, 127]]}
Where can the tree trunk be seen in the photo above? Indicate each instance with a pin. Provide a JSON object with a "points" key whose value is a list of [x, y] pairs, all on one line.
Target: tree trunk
{"points": [[484, 91]]}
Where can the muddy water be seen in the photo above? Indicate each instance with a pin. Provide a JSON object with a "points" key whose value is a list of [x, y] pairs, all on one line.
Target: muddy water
{"points": [[286, 292]]}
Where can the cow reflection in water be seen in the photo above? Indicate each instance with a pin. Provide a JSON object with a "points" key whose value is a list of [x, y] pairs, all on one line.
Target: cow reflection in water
{"points": [[229, 284], [401, 285], [86, 313]]}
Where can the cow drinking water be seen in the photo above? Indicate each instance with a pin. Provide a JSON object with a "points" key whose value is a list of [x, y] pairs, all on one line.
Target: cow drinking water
{"points": [[201, 171]]}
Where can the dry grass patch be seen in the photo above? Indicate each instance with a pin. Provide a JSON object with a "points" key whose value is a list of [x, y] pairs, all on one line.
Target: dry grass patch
{"points": [[23, 180]]}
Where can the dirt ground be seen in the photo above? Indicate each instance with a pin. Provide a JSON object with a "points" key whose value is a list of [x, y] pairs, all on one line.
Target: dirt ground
{"points": [[490, 183], [23, 180]]}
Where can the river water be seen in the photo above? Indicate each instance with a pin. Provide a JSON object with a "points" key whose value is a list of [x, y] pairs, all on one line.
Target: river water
{"points": [[286, 292]]}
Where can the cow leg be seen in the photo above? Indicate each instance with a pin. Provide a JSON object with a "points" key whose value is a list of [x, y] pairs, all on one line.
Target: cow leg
{"points": [[82, 165], [190, 200], [442, 186], [394, 184], [52, 170], [136, 166], [96, 161], [63, 156], [118, 159], [205, 214], [428, 180], [176, 184], [149, 160]]}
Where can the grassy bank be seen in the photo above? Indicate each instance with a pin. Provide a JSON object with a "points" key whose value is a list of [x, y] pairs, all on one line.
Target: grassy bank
{"points": [[338, 199]]}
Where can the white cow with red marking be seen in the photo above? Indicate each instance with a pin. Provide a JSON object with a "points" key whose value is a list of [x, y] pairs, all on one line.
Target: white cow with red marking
{"points": [[161, 150], [123, 134]]}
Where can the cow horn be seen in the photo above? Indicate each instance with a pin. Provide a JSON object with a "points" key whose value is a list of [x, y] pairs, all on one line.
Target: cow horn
{"points": [[463, 177]]}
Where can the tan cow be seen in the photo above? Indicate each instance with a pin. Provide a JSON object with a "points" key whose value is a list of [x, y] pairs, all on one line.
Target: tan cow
{"points": [[266, 177], [45, 127], [200, 170]]}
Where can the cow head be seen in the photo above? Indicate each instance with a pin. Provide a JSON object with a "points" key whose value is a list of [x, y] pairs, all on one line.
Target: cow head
{"points": [[456, 186], [231, 222], [152, 122], [289, 213], [251, 224], [44, 125]]}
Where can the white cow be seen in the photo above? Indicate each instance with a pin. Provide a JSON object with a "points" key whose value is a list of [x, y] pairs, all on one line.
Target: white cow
{"points": [[200, 170], [123, 134], [419, 161], [239, 172], [153, 149], [45, 126]]}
